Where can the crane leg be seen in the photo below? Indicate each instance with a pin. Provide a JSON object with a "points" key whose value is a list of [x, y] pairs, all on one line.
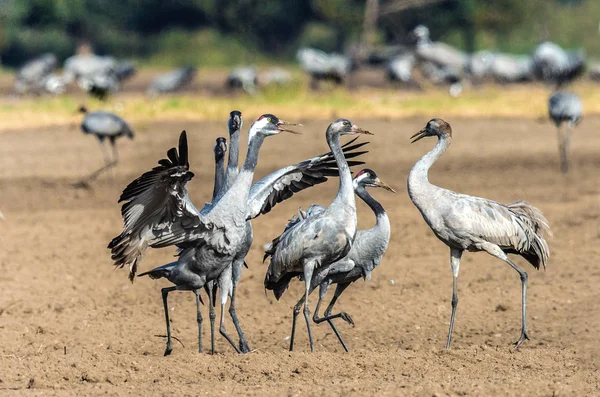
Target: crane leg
{"points": [[115, 159], [308, 271], [165, 292], [199, 319], [222, 329], [105, 153], [564, 154], [455, 255], [295, 313], [327, 315], [244, 348], [210, 289], [562, 151], [498, 253], [524, 277]]}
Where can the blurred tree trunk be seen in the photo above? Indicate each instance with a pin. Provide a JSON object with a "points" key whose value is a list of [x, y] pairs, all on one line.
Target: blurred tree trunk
{"points": [[369, 28]]}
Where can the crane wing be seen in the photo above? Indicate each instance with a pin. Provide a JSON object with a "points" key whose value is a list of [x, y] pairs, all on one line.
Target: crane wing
{"points": [[158, 212], [283, 183], [517, 227]]}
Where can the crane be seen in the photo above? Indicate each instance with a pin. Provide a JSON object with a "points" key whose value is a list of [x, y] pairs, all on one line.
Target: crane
{"points": [[322, 66], [32, 76], [158, 213], [564, 107], [440, 62], [367, 250], [474, 224], [553, 64], [171, 81], [219, 149], [103, 125], [318, 241]]}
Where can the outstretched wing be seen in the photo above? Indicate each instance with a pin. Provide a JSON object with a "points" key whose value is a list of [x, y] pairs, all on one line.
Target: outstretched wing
{"points": [[283, 183], [157, 210]]}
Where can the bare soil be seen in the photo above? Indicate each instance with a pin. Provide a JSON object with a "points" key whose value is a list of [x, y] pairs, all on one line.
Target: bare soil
{"points": [[72, 325]]}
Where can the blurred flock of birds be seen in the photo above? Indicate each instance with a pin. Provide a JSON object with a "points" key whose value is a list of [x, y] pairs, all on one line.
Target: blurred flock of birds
{"points": [[322, 245], [437, 62]]}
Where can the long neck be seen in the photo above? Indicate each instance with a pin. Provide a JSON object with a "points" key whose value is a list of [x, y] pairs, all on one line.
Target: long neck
{"points": [[370, 201], [234, 153], [346, 191], [417, 178], [382, 222], [219, 175], [242, 183]]}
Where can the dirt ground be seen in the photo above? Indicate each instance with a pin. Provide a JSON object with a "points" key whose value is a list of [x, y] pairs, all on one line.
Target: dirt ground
{"points": [[72, 325]]}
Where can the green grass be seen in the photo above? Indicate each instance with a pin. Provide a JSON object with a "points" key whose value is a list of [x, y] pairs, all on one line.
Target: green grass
{"points": [[297, 102]]}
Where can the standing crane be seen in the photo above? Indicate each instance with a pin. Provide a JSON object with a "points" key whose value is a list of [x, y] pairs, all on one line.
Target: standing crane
{"points": [[171, 81], [475, 224], [264, 194], [440, 62], [564, 107], [322, 66], [219, 149], [367, 250], [318, 241], [103, 125]]}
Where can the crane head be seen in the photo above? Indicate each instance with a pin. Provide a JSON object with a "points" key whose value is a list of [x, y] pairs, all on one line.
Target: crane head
{"points": [[368, 177], [220, 148], [435, 127], [235, 121], [345, 127], [269, 124]]}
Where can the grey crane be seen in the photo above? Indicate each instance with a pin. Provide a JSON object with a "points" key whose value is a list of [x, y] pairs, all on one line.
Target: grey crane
{"points": [[171, 81], [243, 78], [105, 125], [564, 107], [400, 68], [553, 64], [438, 53], [264, 194], [32, 75], [275, 76], [322, 66], [318, 241], [366, 253], [219, 149], [99, 76], [502, 67], [471, 223], [158, 213]]}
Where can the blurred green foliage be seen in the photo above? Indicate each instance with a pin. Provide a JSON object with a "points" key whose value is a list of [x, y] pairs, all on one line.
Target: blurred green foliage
{"points": [[227, 32]]}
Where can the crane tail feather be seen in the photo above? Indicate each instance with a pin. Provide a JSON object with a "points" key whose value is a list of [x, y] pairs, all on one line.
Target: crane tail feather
{"points": [[536, 227]]}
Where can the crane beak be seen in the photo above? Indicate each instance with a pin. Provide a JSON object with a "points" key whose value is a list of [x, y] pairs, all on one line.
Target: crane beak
{"points": [[419, 135], [357, 130], [380, 183], [281, 125], [237, 123]]}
